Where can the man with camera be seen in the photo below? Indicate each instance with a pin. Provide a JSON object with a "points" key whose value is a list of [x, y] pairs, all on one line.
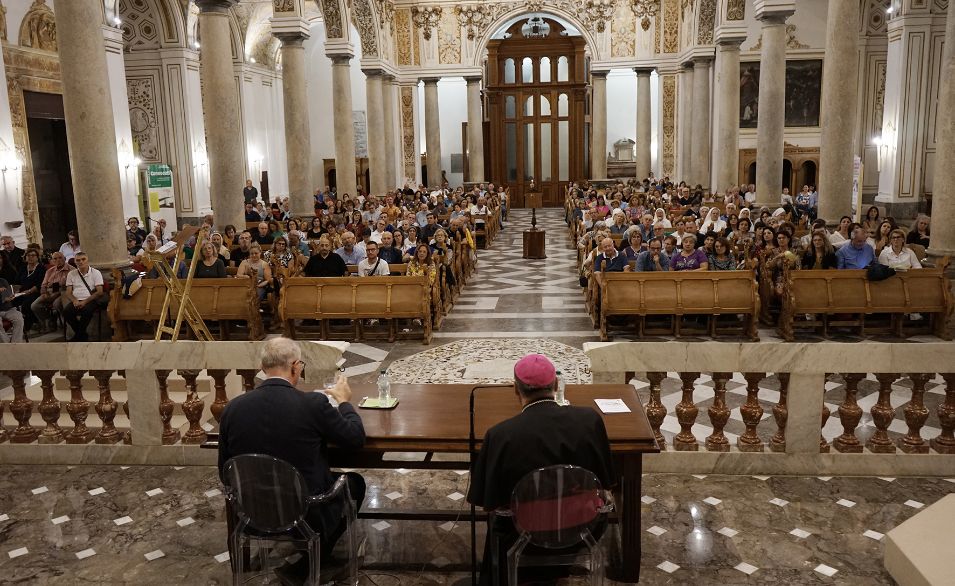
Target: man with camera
{"points": [[51, 289]]}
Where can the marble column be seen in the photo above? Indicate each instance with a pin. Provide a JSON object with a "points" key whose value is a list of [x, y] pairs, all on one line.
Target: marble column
{"points": [[432, 131], [644, 122], [225, 147], [771, 126], [92, 131], [840, 92], [345, 174], [475, 131], [598, 126], [686, 122], [701, 149], [727, 139], [378, 174], [943, 202], [391, 143], [298, 148]]}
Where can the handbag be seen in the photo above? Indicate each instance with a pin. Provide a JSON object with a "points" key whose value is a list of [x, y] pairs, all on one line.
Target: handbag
{"points": [[878, 272]]}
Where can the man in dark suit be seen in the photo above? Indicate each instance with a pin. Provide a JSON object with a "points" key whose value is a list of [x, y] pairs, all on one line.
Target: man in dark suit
{"points": [[279, 420], [542, 434]]}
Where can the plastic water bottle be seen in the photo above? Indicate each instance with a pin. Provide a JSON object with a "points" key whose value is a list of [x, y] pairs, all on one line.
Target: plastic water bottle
{"points": [[384, 389], [561, 389]]}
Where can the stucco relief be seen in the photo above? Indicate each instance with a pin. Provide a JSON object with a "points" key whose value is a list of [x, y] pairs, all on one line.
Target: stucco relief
{"points": [[143, 118], [791, 41], [645, 10], [878, 107], [38, 29], [283, 6], [426, 18], [669, 125], [623, 39], [333, 19], [449, 39], [140, 27], [407, 130], [365, 24], [596, 13], [476, 18], [402, 34], [3, 22], [875, 23], [671, 26], [736, 10], [706, 22]]}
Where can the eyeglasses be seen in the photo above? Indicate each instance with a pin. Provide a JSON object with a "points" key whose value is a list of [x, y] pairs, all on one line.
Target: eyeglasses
{"points": [[898, 238]]}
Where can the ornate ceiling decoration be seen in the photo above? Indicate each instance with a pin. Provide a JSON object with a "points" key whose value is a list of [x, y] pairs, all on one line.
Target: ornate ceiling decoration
{"points": [[283, 6], [386, 12], [645, 10], [426, 18], [707, 20], [38, 29], [476, 18], [736, 10], [596, 13], [365, 24]]}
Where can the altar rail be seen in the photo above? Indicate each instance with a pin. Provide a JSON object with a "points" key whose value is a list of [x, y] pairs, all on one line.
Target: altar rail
{"points": [[147, 402], [792, 440]]}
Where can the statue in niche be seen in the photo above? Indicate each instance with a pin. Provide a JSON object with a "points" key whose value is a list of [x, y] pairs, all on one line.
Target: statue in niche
{"points": [[38, 29]]}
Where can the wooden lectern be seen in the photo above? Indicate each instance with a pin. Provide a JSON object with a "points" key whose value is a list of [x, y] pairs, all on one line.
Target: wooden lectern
{"points": [[534, 238]]}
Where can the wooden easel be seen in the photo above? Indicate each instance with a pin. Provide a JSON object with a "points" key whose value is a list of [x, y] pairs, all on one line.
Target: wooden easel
{"points": [[179, 291]]}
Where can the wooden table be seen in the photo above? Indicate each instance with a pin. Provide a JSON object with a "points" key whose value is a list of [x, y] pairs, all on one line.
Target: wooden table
{"points": [[434, 418]]}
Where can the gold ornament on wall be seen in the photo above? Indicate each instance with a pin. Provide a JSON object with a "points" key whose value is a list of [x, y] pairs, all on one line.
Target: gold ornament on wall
{"points": [[3, 22], [645, 10], [426, 18], [596, 13], [475, 18], [283, 6], [791, 41], [38, 29], [736, 10]]}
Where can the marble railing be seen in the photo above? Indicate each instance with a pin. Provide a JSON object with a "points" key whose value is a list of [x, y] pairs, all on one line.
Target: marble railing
{"points": [[128, 403], [781, 400]]}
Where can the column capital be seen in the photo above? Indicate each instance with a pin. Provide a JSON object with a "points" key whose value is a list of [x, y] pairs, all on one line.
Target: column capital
{"points": [[431, 80], [291, 39], [644, 71], [222, 6], [373, 72], [474, 78], [687, 65], [599, 74], [290, 29], [702, 61], [340, 58]]}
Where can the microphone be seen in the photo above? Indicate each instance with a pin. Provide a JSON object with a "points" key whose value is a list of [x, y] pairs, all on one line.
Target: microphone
{"points": [[472, 453]]}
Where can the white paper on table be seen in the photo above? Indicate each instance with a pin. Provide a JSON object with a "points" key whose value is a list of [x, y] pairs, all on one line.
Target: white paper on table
{"points": [[612, 405]]}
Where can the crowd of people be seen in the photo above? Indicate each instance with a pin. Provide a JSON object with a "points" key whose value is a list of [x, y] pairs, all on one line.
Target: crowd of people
{"points": [[408, 231], [663, 226]]}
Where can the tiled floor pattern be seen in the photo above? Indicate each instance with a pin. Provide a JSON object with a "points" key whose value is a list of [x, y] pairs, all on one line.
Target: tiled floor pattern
{"points": [[164, 525]]}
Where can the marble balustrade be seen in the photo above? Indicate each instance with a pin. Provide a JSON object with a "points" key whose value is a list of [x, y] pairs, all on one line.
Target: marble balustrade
{"points": [[124, 403], [786, 437]]}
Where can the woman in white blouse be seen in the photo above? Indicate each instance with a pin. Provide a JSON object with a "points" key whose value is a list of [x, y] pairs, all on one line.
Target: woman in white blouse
{"points": [[713, 222], [896, 255]]}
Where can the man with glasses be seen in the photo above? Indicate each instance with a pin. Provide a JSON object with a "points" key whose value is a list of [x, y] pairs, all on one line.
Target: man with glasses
{"points": [[84, 286], [51, 289], [278, 419], [12, 256], [653, 259]]}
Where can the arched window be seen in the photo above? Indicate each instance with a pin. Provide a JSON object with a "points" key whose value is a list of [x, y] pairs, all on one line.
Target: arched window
{"points": [[529, 106], [562, 105], [544, 70], [545, 106], [508, 71], [527, 70], [563, 69], [510, 106]]}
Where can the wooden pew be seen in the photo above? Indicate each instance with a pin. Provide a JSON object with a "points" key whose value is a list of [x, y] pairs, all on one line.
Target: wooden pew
{"points": [[825, 295], [710, 293], [356, 299], [219, 300], [396, 269]]}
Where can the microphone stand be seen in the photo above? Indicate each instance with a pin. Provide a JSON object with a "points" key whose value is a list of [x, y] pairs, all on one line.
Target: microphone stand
{"points": [[472, 456]]}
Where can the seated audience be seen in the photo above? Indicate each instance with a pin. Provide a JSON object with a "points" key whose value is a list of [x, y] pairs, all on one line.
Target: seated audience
{"points": [[133, 230], [653, 259], [896, 255], [263, 235], [371, 265], [222, 251], [920, 232], [11, 314], [722, 258], [857, 254], [251, 215], [241, 252], [30, 281], [351, 252], [51, 290], [635, 247], [325, 263], [609, 259], [387, 251], [690, 258], [259, 269], [84, 288], [422, 264], [72, 245], [820, 254], [12, 258], [209, 265]]}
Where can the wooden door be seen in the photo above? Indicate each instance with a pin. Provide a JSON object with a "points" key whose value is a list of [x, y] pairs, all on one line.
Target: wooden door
{"points": [[536, 93]]}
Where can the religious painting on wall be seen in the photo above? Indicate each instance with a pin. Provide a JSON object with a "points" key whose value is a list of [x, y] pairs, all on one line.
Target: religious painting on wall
{"points": [[803, 93]]}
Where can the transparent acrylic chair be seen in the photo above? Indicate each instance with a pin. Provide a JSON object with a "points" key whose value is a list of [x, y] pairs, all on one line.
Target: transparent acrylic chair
{"points": [[270, 500], [557, 510]]}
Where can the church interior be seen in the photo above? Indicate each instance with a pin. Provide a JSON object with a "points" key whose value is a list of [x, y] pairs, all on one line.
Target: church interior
{"points": [[725, 224]]}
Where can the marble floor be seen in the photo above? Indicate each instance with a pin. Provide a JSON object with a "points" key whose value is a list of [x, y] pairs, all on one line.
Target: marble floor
{"points": [[164, 525]]}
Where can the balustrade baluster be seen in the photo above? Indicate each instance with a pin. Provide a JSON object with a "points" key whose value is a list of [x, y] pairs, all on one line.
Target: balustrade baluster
{"points": [[248, 378], [826, 414], [686, 412], [849, 414], [719, 414], [49, 409], [128, 434], [915, 415], [192, 408], [945, 442], [22, 408], [882, 415], [3, 432], [78, 408], [219, 403], [752, 413], [105, 408], [777, 443], [656, 412], [166, 407]]}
